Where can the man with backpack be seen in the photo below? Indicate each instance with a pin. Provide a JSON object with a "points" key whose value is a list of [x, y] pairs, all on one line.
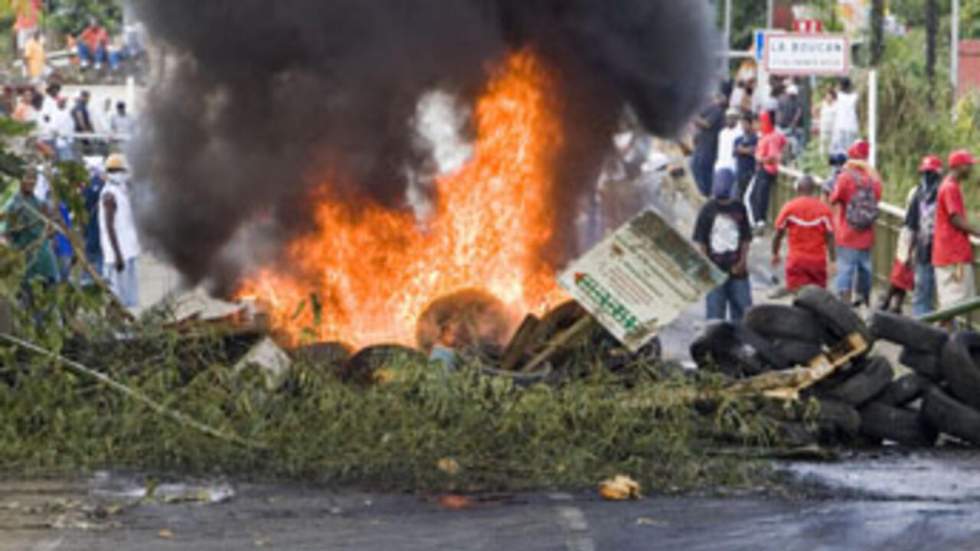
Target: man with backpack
{"points": [[856, 195], [921, 222]]}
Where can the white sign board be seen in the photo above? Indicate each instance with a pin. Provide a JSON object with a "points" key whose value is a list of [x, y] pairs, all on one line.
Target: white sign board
{"points": [[640, 278], [807, 54]]}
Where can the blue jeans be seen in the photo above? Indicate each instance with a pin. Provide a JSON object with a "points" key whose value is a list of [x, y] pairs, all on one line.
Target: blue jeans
{"points": [[732, 297], [86, 55], [703, 169], [853, 263], [923, 301]]}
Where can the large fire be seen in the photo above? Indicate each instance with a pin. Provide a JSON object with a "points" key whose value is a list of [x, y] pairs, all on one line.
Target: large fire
{"points": [[365, 276]]}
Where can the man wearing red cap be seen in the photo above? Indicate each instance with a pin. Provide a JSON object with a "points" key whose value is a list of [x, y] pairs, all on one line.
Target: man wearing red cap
{"points": [[920, 220], [856, 195], [952, 252]]}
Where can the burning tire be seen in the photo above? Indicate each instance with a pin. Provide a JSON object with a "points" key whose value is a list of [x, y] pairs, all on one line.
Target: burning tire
{"points": [[868, 382], [370, 363], [908, 332], [323, 353], [899, 425], [839, 318], [960, 369], [950, 416], [903, 391], [762, 347], [923, 363], [777, 321]]}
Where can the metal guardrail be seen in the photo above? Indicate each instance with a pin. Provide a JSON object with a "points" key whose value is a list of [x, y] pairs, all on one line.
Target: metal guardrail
{"points": [[890, 222]]}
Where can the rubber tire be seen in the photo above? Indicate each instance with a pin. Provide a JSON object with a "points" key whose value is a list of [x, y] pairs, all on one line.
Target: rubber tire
{"points": [[761, 346], [950, 416], [777, 321], [908, 332], [926, 364], [797, 352], [863, 386], [361, 366], [838, 419], [330, 353], [960, 370], [900, 425], [839, 318], [716, 340], [904, 391]]}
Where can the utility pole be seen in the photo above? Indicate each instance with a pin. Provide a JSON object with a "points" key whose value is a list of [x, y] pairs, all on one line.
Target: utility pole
{"points": [[954, 47], [769, 14]]}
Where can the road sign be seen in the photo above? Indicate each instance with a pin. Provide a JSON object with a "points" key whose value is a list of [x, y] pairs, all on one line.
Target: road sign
{"points": [[640, 278], [807, 54]]}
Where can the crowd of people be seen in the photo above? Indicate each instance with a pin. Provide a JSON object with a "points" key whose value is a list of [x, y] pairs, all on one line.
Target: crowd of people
{"points": [[742, 138], [91, 49], [37, 221], [830, 230]]}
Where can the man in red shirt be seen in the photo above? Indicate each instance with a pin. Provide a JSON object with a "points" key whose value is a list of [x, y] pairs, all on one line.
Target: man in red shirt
{"points": [[768, 153], [93, 45], [952, 252], [856, 195], [809, 223]]}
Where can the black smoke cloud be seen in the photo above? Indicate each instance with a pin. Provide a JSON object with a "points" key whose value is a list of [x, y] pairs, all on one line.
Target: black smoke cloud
{"points": [[255, 102]]}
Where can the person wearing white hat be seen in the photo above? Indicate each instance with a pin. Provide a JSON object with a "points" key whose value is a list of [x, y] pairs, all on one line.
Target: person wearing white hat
{"points": [[117, 229]]}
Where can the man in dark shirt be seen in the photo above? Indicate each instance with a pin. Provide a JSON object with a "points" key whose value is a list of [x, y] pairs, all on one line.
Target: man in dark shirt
{"points": [[93, 246], [709, 124], [745, 154], [789, 116], [723, 234], [921, 221]]}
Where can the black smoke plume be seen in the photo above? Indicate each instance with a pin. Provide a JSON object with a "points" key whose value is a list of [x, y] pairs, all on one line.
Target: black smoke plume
{"points": [[255, 101]]}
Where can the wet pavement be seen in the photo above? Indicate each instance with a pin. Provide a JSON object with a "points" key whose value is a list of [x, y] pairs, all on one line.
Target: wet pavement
{"points": [[891, 501]]}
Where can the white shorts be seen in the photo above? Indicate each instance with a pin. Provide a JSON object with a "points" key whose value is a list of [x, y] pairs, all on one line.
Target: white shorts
{"points": [[954, 284]]}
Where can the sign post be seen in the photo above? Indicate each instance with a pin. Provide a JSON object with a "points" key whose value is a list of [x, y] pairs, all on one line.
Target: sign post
{"points": [[640, 278], [795, 54]]}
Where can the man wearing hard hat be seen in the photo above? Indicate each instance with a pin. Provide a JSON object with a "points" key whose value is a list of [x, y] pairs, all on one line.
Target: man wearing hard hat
{"points": [[117, 233], [952, 252]]}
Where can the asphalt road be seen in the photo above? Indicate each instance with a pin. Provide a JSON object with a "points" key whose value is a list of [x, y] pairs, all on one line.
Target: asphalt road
{"points": [[891, 501]]}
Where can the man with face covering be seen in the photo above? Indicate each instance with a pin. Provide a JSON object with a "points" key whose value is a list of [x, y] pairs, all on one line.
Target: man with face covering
{"points": [[921, 222]]}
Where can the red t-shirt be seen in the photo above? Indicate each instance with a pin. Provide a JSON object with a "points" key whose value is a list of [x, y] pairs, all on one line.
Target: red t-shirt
{"points": [[844, 189], [770, 145], [93, 37], [950, 245], [806, 220]]}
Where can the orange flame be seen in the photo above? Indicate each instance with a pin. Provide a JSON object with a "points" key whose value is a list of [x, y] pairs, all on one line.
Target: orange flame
{"points": [[373, 272]]}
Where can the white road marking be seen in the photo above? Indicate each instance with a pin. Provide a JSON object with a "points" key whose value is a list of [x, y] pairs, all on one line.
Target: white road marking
{"points": [[573, 519]]}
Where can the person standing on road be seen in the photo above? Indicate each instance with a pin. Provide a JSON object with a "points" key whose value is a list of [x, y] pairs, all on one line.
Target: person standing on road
{"points": [[35, 58], [726, 141], [920, 219], [809, 223], [846, 126], [723, 234], [952, 252], [709, 124], [745, 154], [117, 229], [856, 195], [789, 117], [768, 154]]}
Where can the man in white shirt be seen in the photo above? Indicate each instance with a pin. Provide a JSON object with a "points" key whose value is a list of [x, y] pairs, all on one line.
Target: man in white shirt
{"points": [[121, 124], [117, 233], [845, 117], [726, 141], [63, 126]]}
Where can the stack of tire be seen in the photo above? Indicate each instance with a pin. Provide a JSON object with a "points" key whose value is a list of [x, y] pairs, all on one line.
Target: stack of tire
{"points": [[859, 404], [947, 373]]}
